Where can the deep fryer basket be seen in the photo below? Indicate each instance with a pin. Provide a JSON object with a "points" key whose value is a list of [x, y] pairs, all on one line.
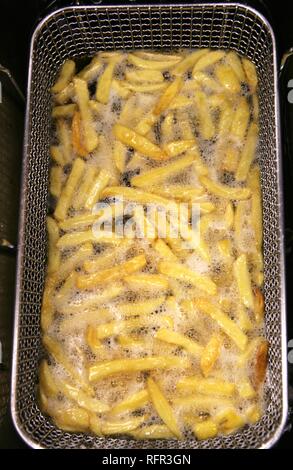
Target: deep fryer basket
{"points": [[78, 32]]}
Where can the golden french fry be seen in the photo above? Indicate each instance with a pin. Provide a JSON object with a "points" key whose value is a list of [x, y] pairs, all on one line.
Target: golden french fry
{"points": [[173, 149], [144, 76], [185, 274], [53, 252], [119, 156], [248, 152], [104, 369], [205, 430], [251, 74], [65, 75], [148, 282], [229, 420], [157, 175], [93, 236], [135, 195], [224, 191], [206, 81], [64, 111], [111, 274], [72, 419], [95, 191], [57, 155], [210, 355], [69, 188], [120, 89], [206, 124], [86, 183], [163, 408], [207, 60], [131, 403], [122, 427], [240, 120], [154, 431], [188, 62], [151, 64], [77, 135], [144, 307], [140, 143], [105, 81], [56, 175], [207, 386], [48, 310], [228, 78], [234, 61], [65, 95], [168, 96], [172, 337], [91, 71], [90, 136], [144, 87], [224, 322]]}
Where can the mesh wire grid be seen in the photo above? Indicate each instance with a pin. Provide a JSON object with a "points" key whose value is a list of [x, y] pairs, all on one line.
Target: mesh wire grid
{"points": [[81, 31]]}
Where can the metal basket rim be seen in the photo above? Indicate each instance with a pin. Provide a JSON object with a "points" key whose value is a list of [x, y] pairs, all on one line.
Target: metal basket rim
{"points": [[15, 418]]}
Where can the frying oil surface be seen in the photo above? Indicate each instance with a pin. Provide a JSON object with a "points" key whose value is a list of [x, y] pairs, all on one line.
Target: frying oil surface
{"points": [[152, 336]]}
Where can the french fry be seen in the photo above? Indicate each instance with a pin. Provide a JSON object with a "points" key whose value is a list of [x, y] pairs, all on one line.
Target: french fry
{"points": [[92, 340], [91, 71], [95, 191], [167, 127], [185, 274], [243, 280], [64, 111], [47, 311], [173, 337], [122, 427], [168, 96], [111, 274], [206, 124], [69, 188], [157, 175], [65, 95], [244, 321], [228, 78], [78, 222], [201, 402], [157, 56], [186, 128], [53, 252], [248, 152], [251, 74], [65, 290], [57, 155], [229, 420], [180, 101], [224, 322], [234, 61], [207, 60], [95, 425], [66, 73], [73, 419], [205, 430], [173, 149], [144, 307], [164, 251], [240, 121], [253, 414], [133, 402], [105, 369], [207, 386], [86, 183], [225, 248], [135, 195], [77, 395], [231, 159], [82, 319], [119, 156], [76, 131], [140, 143], [206, 81], [90, 136], [224, 191], [163, 408], [47, 383], [73, 239], [56, 174], [151, 64], [184, 193], [105, 81], [258, 306], [144, 126], [188, 62], [130, 342], [148, 282], [246, 390], [210, 355], [260, 364]]}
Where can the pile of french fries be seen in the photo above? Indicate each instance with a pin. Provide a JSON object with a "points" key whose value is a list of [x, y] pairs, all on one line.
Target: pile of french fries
{"points": [[151, 337]]}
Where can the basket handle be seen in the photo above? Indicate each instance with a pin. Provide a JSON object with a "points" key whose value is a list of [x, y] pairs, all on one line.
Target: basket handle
{"points": [[286, 94]]}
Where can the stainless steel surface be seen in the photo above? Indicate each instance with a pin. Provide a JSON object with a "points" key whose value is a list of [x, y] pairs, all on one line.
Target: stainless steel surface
{"points": [[79, 32]]}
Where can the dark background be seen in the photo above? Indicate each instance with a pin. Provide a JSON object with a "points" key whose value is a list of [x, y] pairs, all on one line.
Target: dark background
{"points": [[17, 22]]}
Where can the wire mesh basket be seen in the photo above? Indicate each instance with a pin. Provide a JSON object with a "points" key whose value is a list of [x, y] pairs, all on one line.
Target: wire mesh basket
{"points": [[78, 32]]}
